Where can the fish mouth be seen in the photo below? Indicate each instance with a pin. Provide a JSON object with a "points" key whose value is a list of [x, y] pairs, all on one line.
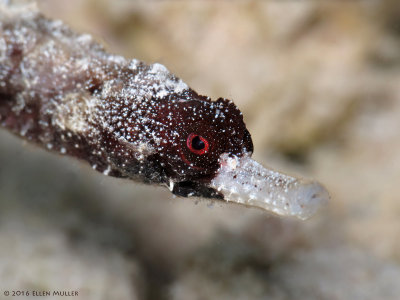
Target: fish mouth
{"points": [[244, 181]]}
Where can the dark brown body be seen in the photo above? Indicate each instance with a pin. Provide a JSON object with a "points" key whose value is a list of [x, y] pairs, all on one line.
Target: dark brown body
{"points": [[61, 90]]}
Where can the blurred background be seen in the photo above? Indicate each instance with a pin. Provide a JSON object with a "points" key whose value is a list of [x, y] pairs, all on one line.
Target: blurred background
{"points": [[319, 87]]}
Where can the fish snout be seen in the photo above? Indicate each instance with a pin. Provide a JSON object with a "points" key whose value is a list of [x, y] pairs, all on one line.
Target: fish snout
{"points": [[243, 180]]}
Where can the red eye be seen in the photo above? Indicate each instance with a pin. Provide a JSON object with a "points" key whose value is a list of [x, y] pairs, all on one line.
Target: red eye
{"points": [[197, 144]]}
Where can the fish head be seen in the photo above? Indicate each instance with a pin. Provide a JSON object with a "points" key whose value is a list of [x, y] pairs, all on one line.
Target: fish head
{"points": [[196, 133], [207, 153]]}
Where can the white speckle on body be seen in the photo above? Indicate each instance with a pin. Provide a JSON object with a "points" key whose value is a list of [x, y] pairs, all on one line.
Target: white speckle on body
{"points": [[107, 171], [171, 185]]}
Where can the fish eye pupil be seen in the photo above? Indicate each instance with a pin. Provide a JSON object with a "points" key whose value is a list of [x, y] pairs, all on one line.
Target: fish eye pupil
{"points": [[197, 143]]}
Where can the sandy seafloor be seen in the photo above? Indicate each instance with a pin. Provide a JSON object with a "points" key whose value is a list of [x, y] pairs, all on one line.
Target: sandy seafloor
{"points": [[319, 86]]}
